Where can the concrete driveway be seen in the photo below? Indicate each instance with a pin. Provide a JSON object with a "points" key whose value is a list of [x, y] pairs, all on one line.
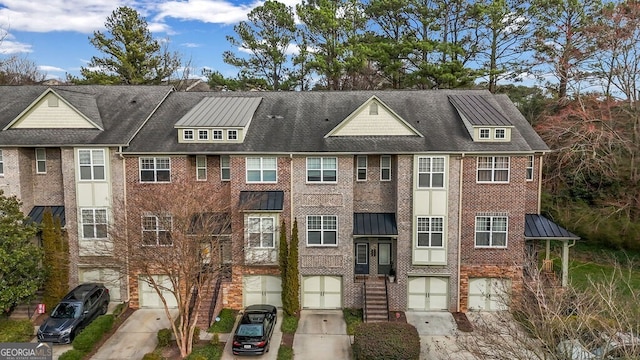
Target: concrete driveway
{"points": [[276, 338], [135, 337], [321, 335], [438, 335]]}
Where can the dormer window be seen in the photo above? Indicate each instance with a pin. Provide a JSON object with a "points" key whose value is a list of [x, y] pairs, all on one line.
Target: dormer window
{"points": [[217, 134], [485, 133], [187, 134], [232, 134], [501, 134], [203, 134]]}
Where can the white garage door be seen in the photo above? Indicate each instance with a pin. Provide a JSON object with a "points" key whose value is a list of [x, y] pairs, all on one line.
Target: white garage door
{"points": [[428, 293], [109, 277], [489, 294], [149, 298], [321, 292], [263, 289]]}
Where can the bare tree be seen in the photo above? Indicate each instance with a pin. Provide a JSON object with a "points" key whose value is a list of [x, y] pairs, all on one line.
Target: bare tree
{"points": [[550, 322], [181, 231]]}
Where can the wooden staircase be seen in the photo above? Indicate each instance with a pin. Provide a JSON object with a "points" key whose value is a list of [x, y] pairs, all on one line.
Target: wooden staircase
{"points": [[376, 307]]}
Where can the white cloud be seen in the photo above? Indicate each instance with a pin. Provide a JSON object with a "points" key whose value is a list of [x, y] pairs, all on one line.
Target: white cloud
{"points": [[9, 47], [191, 45], [209, 11], [48, 69]]}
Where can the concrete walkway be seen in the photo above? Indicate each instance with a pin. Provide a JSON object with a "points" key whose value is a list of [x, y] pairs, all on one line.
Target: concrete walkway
{"points": [[137, 336], [321, 335]]}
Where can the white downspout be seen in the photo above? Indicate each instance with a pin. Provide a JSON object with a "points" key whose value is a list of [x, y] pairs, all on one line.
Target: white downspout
{"points": [[126, 219], [459, 226]]}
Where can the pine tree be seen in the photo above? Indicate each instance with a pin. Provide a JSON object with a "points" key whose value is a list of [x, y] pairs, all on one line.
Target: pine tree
{"points": [[292, 280], [283, 260]]}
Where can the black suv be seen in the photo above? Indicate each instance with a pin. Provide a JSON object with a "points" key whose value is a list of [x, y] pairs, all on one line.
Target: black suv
{"points": [[75, 311]]}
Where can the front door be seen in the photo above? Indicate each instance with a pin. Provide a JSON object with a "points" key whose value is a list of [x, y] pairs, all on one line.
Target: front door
{"points": [[384, 258], [362, 258]]}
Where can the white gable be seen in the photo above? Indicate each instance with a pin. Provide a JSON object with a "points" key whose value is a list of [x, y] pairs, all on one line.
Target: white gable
{"points": [[51, 112], [373, 118]]}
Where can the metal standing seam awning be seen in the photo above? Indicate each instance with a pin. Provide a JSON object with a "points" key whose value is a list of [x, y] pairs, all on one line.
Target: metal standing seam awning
{"points": [[262, 200], [375, 224], [37, 213], [538, 227]]}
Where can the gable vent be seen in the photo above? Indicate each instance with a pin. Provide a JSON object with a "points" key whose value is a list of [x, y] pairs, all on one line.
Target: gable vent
{"points": [[52, 101]]}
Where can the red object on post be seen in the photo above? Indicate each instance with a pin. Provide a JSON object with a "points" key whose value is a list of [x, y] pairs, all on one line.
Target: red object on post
{"points": [[40, 309]]}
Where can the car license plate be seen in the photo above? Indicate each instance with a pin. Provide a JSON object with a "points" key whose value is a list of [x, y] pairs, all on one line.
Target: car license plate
{"points": [[247, 346]]}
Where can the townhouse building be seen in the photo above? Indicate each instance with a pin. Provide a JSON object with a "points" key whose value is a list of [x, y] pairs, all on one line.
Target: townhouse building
{"points": [[441, 187]]}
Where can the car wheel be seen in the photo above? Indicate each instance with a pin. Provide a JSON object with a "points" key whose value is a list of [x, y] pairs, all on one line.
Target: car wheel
{"points": [[103, 309]]}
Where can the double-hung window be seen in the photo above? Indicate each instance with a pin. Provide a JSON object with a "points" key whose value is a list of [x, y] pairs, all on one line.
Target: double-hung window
{"points": [[385, 168], [187, 134], [156, 230], [201, 167], [203, 134], [493, 169], [431, 172], [261, 232], [322, 169], [94, 223], [1, 164], [41, 161], [529, 176], [225, 168], [430, 231], [155, 169], [322, 230], [491, 231], [92, 164], [261, 169], [362, 167]]}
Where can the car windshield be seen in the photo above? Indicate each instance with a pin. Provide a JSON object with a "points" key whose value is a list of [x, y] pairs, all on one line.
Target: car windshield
{"points": [[66, 311], [249, 330]]}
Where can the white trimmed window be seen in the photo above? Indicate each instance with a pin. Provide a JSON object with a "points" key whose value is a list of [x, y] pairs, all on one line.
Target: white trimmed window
{"points": [[41, 161], [493, 169], [187, 134], [216, 134], [203, 134], [385, 168], [362, 167], [201, 167], [156, 230], [261, 169], [225, 168], [529, 169], [92, 164], [491, 231], [322, 230], [155, 169], [430, 231], [1, 164], [431, 172], [501, 134], [94, 223], [232, 134], [261, 232], [485, 133], [322, 169]]}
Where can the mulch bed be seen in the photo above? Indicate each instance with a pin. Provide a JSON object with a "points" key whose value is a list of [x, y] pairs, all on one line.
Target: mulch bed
{"points": [[462, 321]]}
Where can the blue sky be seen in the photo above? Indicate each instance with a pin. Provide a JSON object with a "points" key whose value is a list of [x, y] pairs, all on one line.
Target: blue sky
{"points": [[54, 34]]}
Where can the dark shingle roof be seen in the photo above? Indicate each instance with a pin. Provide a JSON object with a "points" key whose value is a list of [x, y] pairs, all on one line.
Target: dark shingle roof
{"points": [[120, 110], [286, 122], [374, 224], [539, 227]]}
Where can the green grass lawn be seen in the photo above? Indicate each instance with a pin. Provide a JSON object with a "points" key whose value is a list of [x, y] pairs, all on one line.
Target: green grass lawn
{"points": [[15, 330]]}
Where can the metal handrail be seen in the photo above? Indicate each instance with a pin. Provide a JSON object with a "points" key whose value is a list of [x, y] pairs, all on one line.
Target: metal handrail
{"points": [[386, 295], [364, 305], [214, 299]]}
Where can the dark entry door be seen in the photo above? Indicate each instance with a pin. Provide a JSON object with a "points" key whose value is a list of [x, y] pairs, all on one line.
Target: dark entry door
{"points": [[362, 258]]}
